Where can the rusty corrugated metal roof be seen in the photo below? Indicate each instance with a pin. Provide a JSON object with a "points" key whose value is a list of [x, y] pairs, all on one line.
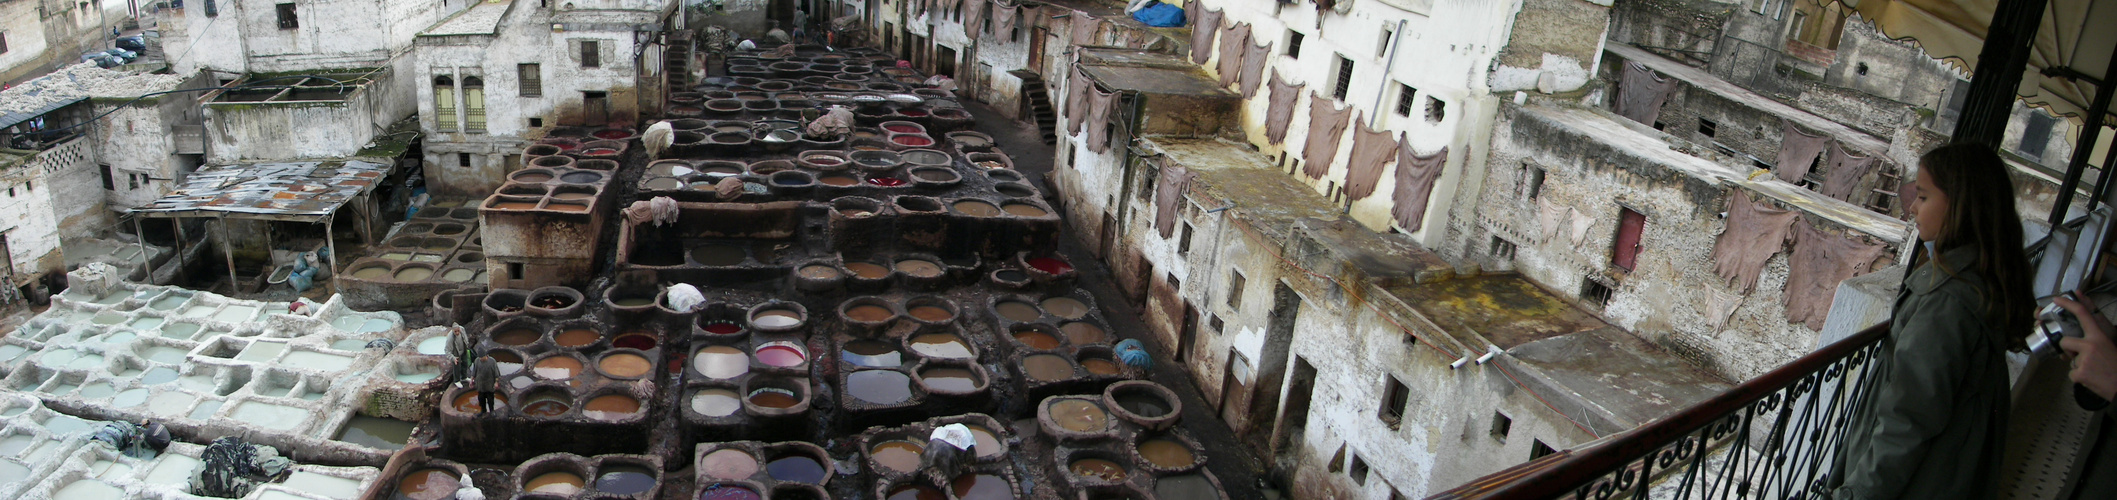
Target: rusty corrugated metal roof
{"points": [[279, 191]]}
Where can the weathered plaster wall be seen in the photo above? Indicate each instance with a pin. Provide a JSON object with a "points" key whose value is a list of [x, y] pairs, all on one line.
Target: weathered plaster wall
{"points": [[135, 140], [193, 41], [31, 229], [1550, 48], [282, 131], [27, 49], [332, 33]]}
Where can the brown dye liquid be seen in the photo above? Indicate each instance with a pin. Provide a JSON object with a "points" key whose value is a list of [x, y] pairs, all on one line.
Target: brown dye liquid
{"points": [[940, 345], [818, 272], [1100, 366], [728, 463], [1166, 453], [898, 455], [533, 177], [981, 487], [976, 208], [583, 196], [1083, 332], [1036, 340], [566, 207], [717, 255], [918, 268], [520, 336], [467, 402], [988, 444], [1097, 468], [1024, 210], [1047, 367], [838, 180], [1079, 416], [560, 483], [545, 406], [611, 407], [515, 205], [577, 337], [931, 314], [1065, 307], [867, 270], [429, 484], [1019, 311], [869, 313], [556, 367], [626, 365], [773, 398], [949, 379]]}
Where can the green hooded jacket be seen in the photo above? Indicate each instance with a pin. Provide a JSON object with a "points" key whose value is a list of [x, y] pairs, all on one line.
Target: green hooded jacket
{"points": [[1935, 423]]}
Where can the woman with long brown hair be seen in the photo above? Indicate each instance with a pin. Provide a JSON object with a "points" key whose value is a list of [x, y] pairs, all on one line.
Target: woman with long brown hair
{"points": [[1935, 419]]}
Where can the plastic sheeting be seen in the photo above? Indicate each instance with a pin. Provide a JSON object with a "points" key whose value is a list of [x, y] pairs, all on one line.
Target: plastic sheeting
{"points": [[685, 298], [1797, 152], [1325, 127], [1371, 150], [1754, 232], [1159, 15], [1280, 110], [1415, 177]]}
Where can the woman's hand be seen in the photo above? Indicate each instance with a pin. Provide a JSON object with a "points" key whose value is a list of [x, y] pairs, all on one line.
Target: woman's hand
{"points": [[2094, 356]]}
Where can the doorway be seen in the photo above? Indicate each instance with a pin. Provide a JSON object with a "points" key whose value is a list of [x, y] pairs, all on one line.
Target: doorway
{"points": [[1187, 334], [1625, 253], [1300, 389], [595, 108], [1036, 49]]}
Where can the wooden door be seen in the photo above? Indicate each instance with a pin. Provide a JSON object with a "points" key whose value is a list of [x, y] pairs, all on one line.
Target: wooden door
{"points": [[1036, 50], [1626, 252]]}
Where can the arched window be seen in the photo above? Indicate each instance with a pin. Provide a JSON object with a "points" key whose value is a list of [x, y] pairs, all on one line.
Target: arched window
{"points": [[473, 104], [444, 104]]}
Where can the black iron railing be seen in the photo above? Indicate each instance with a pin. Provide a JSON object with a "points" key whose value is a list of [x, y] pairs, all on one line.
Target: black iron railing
{"points": [[1769, 438]]}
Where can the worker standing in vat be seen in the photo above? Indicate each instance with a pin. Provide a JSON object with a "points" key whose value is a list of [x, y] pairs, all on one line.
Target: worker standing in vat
{"points": [[1936, 424], [485, 378]]}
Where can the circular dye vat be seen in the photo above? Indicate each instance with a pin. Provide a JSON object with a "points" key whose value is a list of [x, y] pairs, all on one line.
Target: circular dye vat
{"points": [[1079, 415], [467, 402], [1101, 366], [868, 270], [1066, 307], [838, 180], [371, 272], [902, 128], [556, 368], [532, 177], [517, 337], [1142, 404], [1098, 469], [817, 272], [885, 181], [898, 455], [912, 140], [776, 318], [773, 397], [556, 483], [931, 314], [595, 152], [1036, 340], [871, 353], [728, 492], [612, 134], [781, 354], [988, 444], [879, 386], [664, 184], [919, 268], [634, 340], [721, 327], [459, 275], [1024, 210], [976, 208], [796, 468], [611, 407], [956, 380], [718, 255], [728, 463], [429, 484], [1018, 311], [1050, 265], [869, 313], [545, 405], [577, 337], [721, 362], [981, 487], [1046, 367], [940, 345], [715, 402], [625, 365], [1083, 333], [1166, 453]]}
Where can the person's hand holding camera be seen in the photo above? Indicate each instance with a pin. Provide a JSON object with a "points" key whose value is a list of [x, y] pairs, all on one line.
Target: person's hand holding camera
{"points": [[2093, 355]]}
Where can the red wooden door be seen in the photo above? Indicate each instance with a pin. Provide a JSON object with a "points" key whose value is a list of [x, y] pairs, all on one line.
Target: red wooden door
{"points": [[1626, 252]]}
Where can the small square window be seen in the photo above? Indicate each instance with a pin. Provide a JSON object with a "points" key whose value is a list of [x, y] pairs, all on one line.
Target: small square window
{"points": [[1395, 398], [536, 122], [463, 160], [591, 54], [1218, 324], [1357, 470], [1594, 292], [1707, 127], [1502, 249], [1344, 84], [287, 19], [1234, 290], [1532, 181], [1500, 425], [1183, 240], [1436, 109], [1405, 99], [1175, 284], [514, 270], [1537, 449], [1293, 44]]}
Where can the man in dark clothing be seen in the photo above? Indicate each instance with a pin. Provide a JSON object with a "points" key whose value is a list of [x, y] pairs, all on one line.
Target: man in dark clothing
{"points": [[485, 377], [459, 347]]}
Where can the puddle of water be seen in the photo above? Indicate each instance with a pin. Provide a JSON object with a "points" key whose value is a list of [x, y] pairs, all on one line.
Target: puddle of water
{"points": [[11, 472], [14, 444], [201, 382], [318, 361], [119, 337], [378, 433], [347, 323], [158, 375], [276, 391], [261, 351], [8, 352], [374, 325], [879, 386], [86, 362], [168, 302], [323, 485], [270, 416], [196, 311]]}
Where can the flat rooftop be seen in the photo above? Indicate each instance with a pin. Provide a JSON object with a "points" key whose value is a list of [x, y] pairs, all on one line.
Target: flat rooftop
{"points": [[1614, 380], [1229, 172], [1148, 72], [1699, 79], [482, 18], [1506, 309]]}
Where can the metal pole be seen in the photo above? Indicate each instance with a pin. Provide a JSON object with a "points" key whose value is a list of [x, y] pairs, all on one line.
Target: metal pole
{"points": [[1999, 71], [2098, 110], [330, 245]]}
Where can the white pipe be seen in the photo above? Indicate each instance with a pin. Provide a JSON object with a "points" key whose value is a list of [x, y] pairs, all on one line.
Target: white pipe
{"points": [[1388, 66]]}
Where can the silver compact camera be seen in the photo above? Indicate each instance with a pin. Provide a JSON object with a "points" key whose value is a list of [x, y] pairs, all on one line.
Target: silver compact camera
{"points": [[2052, 323]]}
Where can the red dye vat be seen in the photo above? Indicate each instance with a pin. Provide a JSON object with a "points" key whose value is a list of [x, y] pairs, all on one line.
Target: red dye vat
{"points": [[566, 146], [639, 341], [885, 181], [912, 140], [912, 112], [903, 129], [599, 152], [781, 356], [1050, 265], [722, 328], [612, 134], [727, 492]]}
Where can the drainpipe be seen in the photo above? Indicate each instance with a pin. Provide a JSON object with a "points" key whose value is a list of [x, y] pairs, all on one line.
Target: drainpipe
{"points": [[1388, 66]]}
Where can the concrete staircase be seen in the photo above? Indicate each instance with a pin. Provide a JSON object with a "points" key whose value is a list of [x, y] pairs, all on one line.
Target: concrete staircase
{"points": [[1037, 96]]}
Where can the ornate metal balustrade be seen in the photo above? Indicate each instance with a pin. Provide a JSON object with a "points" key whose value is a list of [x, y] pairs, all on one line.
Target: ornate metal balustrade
{"points": [[1771, 437]]}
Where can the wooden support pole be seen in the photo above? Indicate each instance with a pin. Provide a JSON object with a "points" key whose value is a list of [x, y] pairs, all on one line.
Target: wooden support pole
{"points": [[330, 245], [228, 250], [183, 274]]}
